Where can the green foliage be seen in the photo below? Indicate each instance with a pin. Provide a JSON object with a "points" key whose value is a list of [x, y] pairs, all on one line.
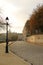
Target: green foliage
{"points": [[2, 37], [11, 37]]}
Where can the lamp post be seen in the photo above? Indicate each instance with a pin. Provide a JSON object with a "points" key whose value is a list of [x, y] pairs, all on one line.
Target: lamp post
{"points": [[7, 35], [6, 49]]}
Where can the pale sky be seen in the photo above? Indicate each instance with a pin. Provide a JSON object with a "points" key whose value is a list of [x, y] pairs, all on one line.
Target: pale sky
{"points": [[18, 12]]}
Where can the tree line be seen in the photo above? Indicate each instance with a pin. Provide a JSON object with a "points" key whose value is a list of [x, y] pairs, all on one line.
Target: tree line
{"points": [[34, 25]]}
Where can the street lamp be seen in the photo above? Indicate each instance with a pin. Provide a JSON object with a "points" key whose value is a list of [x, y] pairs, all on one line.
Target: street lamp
{"points": [[7, 34], [6, 50]]}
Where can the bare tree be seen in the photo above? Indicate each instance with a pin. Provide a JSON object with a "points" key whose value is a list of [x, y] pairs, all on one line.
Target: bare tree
{"points": [[1, 20]]}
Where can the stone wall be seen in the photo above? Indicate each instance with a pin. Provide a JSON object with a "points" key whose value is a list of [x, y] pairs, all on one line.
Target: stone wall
{"points": [[35, 39]]}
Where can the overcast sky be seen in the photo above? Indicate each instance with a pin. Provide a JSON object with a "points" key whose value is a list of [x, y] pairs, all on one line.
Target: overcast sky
{"points": [[18, 11]]}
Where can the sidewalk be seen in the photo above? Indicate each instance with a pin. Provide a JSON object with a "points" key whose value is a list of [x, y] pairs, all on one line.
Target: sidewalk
{"points": [[10, 58]]}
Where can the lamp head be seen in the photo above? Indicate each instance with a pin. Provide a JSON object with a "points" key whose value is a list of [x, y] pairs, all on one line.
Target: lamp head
{"points": [[7, 18]]}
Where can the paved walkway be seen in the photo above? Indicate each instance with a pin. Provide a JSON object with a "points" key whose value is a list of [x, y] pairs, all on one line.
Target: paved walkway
{"points": [[29, 52], [10, 58]]}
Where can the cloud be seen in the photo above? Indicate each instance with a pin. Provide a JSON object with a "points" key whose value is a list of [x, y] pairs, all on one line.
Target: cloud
{"points": [[19, 10]]}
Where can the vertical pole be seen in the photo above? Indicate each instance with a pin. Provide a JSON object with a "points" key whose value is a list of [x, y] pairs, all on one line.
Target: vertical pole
{"points": [[6, 37]]}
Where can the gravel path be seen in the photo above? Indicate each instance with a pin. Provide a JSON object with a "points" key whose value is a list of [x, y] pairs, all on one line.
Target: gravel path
{"points": [[29, 52]]}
